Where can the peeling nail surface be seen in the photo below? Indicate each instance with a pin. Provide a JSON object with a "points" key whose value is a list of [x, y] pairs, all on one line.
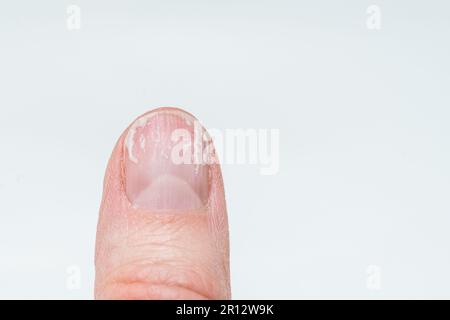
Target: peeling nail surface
{"points": [[154, 177]]}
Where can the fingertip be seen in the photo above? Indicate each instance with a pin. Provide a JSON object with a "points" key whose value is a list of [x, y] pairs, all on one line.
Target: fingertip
{"points": [[157, 211]]}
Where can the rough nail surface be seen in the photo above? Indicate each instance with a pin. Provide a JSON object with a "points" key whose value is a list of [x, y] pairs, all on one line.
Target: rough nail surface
{"points": [[159, 167]]}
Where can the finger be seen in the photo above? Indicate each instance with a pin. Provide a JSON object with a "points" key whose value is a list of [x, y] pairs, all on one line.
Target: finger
{"points": [[163, 230]]}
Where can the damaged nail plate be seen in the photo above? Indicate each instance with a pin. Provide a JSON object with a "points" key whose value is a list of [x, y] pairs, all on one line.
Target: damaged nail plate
{"points": [[159, 167]]}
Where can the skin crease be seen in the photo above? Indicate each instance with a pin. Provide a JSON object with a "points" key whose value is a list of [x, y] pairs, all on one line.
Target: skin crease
{"points": [[148, 254]]}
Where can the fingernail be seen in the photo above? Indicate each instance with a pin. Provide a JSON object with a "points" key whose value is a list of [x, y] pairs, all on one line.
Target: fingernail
{"points": [[158, 172]]}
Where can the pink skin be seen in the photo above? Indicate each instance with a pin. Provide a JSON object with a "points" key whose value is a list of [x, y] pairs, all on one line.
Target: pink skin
{"points": [[163, 229]]}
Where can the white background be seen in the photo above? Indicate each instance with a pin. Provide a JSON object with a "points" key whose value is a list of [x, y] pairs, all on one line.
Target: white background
{"points": [[363, 116]]}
